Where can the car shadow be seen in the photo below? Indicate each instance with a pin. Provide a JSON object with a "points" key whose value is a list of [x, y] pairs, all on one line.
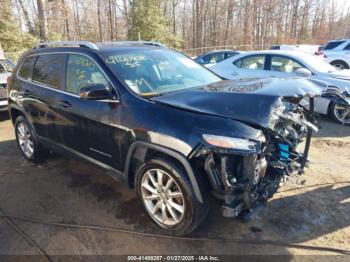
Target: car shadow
{"points": [[4, 116]]}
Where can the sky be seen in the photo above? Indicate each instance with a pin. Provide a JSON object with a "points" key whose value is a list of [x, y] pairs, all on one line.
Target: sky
{"points": [[345, 3]]}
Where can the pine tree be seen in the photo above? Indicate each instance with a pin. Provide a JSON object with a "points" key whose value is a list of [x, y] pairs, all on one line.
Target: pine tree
{"points": [[12, 39], [149, 23]]}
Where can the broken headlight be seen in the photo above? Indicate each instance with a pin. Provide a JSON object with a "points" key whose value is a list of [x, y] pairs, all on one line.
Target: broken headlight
{"points": [[231, 143]]}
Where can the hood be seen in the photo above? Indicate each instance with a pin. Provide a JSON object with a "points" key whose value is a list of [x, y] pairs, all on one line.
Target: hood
{"points": [[341, 74], [253, 101]]}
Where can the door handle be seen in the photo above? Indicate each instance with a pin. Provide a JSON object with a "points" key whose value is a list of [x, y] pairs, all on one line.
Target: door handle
{"points": [[65, 104]]}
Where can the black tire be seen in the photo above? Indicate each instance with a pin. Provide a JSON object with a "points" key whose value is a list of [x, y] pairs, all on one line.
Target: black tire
{"points": [[333, 115], [195, 212], [39, 153], [340, 64]]}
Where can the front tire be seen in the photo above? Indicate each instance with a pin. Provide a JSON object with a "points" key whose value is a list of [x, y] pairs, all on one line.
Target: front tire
{"points": [[166, 193], [28, 142], [339, 114]]}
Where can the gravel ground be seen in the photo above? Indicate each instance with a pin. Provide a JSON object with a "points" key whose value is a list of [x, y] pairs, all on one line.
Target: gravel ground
{"points": [[313, 209]]}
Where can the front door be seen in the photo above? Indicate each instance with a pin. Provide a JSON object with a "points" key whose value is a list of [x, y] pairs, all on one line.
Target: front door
{"points": [[91, 128], [283, 66]]}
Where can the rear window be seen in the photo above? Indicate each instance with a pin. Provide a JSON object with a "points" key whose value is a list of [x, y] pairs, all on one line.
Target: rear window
{"points": [[26, 67], [333, 44], [47, 69]]}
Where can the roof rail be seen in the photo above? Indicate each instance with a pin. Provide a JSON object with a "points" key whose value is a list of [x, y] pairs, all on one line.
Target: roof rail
{"points": [[85, 44], [139, 42]]}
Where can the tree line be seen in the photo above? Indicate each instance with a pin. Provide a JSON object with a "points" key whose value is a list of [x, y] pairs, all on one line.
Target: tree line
{"points": [[193, 26]]}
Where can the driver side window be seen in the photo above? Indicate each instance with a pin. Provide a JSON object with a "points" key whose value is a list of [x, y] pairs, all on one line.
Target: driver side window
{"points": [[81, 71]]}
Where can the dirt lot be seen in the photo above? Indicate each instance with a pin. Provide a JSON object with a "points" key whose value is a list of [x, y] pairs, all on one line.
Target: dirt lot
{"points": [[313, 209]]}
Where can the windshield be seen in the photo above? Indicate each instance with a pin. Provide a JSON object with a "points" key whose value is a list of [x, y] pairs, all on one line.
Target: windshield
{"points": [[7, 65], [318, 64], [153, 72]]}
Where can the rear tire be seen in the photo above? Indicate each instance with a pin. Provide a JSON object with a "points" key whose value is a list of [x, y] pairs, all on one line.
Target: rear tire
{"points": [[340, 64], [28, 142], [335, 112], [151, 185]]}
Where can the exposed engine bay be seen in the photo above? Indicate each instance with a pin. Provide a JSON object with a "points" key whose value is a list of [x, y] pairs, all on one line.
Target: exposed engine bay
{"points": [[244, 171], [243, 180]]}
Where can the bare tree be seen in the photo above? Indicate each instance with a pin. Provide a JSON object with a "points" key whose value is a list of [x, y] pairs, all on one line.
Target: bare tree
{"points": [[42, 20]]}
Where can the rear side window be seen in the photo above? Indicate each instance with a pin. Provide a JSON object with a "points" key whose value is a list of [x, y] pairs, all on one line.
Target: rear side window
{"points": [[48, 68], [254, 62], [27, 67], [347, 47], [82, 72], [333, 44]]}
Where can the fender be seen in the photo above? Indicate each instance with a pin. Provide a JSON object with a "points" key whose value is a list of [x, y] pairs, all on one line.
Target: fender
{"points": [[168, 152], [27, 116], [18, 108]]}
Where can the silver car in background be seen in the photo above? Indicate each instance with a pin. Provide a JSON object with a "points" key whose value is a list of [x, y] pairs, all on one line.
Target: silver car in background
{"points": [[280, 63]]}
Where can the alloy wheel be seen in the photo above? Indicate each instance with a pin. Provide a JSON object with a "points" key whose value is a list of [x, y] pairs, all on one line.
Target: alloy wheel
{"points": [[25, 139], [342, 113], [163, 197]]}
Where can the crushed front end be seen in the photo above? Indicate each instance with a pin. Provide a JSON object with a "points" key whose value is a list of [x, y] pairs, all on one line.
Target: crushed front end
{"points": [[245, 172]]}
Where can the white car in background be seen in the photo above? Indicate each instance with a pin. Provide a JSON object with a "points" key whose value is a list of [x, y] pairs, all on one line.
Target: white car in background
{"points": [[337, 53], [6, 67], [279, 63], [309, 49]]}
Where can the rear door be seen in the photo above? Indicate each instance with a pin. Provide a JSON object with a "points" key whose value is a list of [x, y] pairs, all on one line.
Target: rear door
{"points": [[41, 77], [252, 66]]}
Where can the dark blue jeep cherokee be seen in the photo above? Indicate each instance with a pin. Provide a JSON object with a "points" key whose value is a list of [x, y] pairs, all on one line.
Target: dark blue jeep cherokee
{"points": [[161, 123]]}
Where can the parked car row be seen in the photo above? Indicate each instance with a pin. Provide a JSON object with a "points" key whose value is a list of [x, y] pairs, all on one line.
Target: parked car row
{"points": [[292, 62], [6, 67], [165, 125], [264, 64]]}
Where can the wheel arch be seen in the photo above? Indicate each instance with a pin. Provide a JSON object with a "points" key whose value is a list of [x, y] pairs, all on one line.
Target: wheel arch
{"points": [[15, 112], [142, 151], [340, 60]]}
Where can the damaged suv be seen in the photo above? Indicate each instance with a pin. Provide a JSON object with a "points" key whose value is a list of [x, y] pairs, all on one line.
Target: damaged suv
{"points": [[161, 123]]}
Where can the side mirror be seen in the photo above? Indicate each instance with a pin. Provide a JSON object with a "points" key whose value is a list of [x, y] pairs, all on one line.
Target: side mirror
{"points": [[96, 92], [303, 72]]}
